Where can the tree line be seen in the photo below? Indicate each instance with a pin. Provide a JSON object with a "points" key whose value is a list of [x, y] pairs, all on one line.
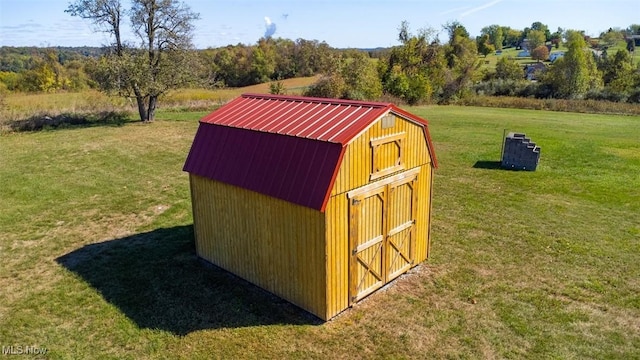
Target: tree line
{"points": [[32, 69], [423, 68]]}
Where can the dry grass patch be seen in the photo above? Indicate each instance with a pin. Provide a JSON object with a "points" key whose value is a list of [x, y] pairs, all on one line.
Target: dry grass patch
{"points": [[203, 99], [29, 112], [579, 106]]}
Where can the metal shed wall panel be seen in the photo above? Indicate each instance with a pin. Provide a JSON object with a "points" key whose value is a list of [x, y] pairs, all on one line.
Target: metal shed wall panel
{"points": [[289, 168]]}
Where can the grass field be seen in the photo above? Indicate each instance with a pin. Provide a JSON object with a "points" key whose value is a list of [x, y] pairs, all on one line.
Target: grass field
{"points": [[98, 258], [489, 62], [22, 106], [186, 97]]}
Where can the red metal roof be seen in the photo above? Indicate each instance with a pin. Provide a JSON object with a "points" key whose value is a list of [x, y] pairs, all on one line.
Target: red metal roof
{"points": [[314, 118], [288, 147], [286, 167]]}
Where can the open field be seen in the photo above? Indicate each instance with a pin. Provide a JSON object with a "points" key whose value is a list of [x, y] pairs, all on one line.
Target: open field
{"points": [[622, 46], [98, 259], [19, 106], [186, 97], [489, 62]]}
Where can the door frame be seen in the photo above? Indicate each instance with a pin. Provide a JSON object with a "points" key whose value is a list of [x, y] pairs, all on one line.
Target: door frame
{"points": [[355, 196]]}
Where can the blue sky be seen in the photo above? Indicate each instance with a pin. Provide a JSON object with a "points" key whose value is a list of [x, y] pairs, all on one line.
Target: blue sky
{"points": [[341, 23]]}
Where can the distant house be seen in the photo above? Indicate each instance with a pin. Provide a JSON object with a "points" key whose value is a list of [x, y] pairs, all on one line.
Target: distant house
{"points": [[525, 46], [531, 71], [556, 55], [634, 38]]}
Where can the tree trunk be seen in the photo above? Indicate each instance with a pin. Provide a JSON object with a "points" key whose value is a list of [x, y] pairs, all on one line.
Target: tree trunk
{"points": [[142, 109], [153, 100]]}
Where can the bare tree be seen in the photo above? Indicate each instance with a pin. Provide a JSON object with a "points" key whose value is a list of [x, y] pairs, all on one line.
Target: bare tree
{"points": [[106, 15], [162, 61]]}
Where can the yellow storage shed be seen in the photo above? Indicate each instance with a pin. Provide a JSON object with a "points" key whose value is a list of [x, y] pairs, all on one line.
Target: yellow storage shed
{"points": [[319, 201]]}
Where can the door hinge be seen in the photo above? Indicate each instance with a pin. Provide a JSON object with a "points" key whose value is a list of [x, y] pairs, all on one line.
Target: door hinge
{"points": [[355, 201]]}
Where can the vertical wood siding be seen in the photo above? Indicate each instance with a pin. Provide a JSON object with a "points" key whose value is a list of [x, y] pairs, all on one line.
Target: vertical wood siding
{"points": [[337, 266], [423, 213], [298, 253], [272, 243], [401, 227], [356, 165], [367, 229], [355, 172]]}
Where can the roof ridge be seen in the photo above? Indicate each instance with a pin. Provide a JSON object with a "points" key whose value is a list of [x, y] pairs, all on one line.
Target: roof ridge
{"points": [[317, 100]]}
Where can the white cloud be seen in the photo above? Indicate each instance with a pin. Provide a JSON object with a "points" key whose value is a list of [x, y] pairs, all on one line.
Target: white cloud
{"points": [[270, 27], [479, 8], [453, 10]]}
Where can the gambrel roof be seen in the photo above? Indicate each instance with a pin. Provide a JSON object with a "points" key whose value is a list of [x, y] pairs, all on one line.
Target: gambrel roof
{"points": [[288, 147]]}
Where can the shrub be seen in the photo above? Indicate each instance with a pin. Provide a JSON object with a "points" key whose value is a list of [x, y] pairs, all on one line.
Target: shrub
{"points": [[276, 88], [537, 90], [40, 122], [503, 87], [581, 106], [330, 86], [634, 97], [606, 94], [507, 69]]}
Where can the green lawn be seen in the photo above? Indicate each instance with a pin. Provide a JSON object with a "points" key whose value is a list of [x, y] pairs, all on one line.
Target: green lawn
{"points": [[98, 259], [490, 61], [622, 46]]}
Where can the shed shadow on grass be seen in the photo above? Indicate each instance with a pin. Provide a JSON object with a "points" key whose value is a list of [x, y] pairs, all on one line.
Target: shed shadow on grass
{"points": [[156, 279], [490, 165]]}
